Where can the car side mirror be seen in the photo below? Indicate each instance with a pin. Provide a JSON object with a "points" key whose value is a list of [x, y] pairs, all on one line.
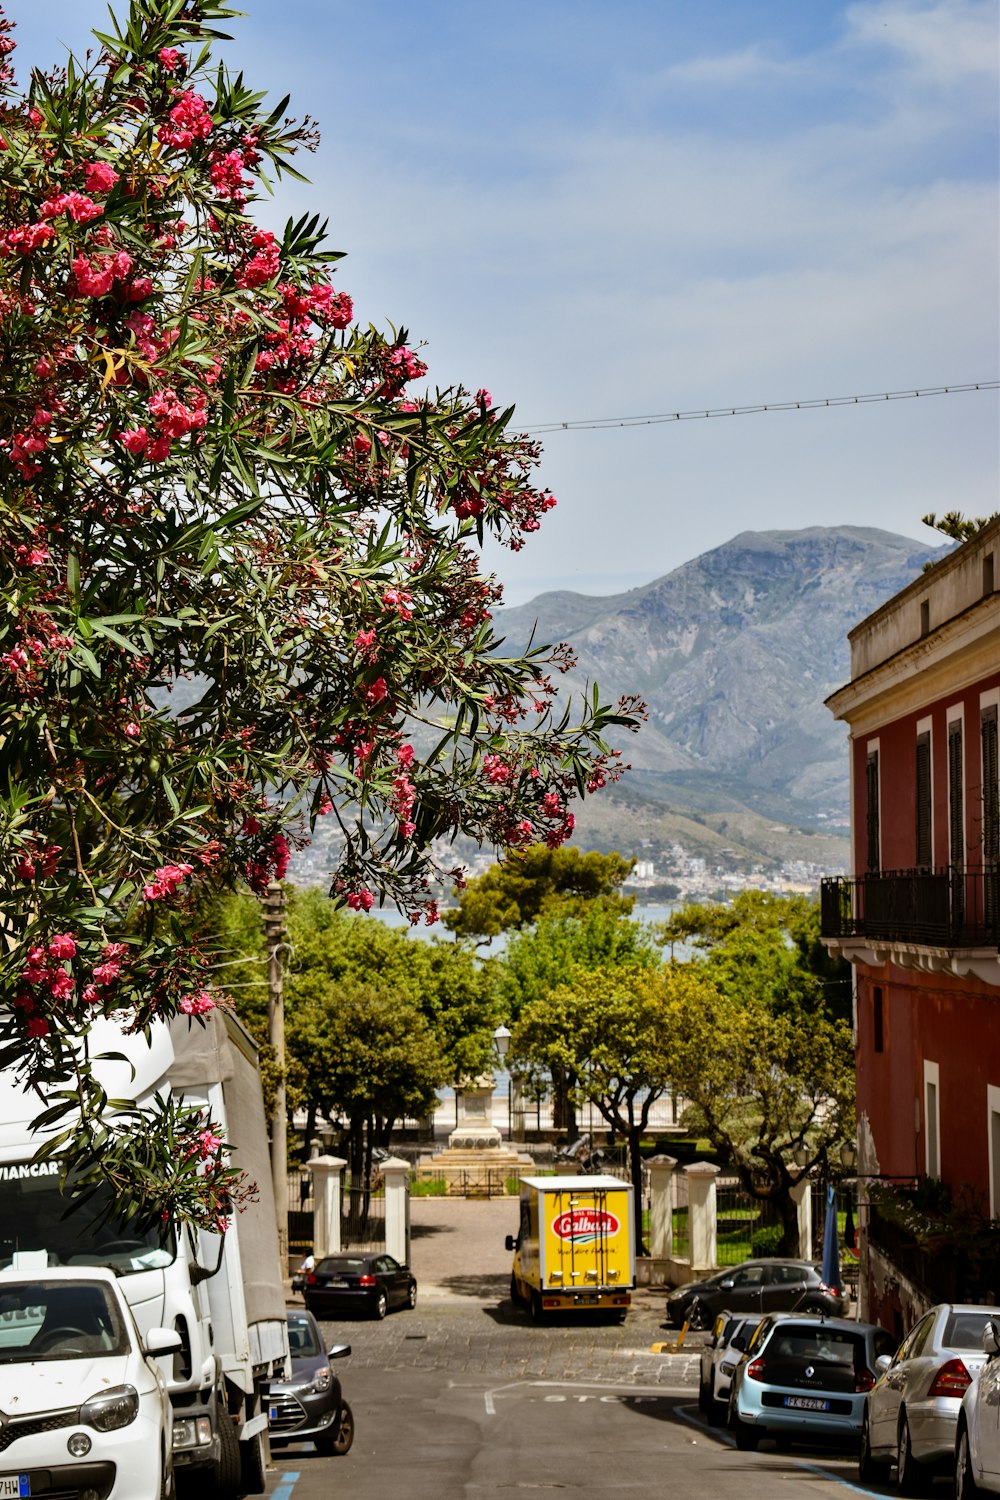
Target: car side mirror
{"points": [[338, 1351], [162, 1341], [727, 1285], [991, 1338], [510, 1243], [882, 1363]]}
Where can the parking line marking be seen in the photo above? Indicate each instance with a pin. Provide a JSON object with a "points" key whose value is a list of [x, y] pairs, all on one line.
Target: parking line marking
{"points": [[686, 1413], [283, 1491]]}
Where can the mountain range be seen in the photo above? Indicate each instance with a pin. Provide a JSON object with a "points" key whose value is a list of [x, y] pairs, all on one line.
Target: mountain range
{"points": [[734, 653]]}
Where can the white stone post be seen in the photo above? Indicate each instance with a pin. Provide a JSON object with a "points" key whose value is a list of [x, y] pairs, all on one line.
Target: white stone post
{"points": [[327, 1173], [396, 1175], [801, 1196], [702, 1213], [661, 1206]]}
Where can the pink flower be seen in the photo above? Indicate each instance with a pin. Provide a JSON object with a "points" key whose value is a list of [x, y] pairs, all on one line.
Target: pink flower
{"points": [[190, 121], [135, 439], [132, 731], [38, 1026], [100, 177], [405, 755], [169, 58], [62, 946], [208, 1144], [77, 205], [362, 900], [197, 1005], [377, 691]]}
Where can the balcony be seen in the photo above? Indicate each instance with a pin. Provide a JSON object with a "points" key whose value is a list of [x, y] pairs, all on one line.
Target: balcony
{"points": [[899, 912]]}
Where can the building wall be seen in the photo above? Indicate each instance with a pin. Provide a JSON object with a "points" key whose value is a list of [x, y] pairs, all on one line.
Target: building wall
{"points": [[896, 742], [955, 1027]]}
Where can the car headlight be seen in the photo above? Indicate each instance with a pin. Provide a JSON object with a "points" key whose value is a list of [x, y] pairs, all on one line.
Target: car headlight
{"points": [[111, 1409], [321, 1380]]}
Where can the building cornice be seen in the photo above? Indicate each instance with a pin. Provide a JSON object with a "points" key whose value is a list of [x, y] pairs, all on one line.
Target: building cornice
{"points": [[957, 963], [960, 652]]}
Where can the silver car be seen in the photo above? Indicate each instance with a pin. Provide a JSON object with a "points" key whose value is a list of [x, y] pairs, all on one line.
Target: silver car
{"points": [[911, 1414], [731, 1332], [977, 1439]]}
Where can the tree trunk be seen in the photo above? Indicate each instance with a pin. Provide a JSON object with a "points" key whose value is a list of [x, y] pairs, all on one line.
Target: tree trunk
{"points": [[634, 1136], [563, 1105]]}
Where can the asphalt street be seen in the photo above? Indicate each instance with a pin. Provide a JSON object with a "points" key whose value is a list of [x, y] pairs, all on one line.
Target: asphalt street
{"points": [[464, 1397]]}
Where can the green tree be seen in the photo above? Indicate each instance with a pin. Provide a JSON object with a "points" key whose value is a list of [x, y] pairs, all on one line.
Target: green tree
{"points": [[538, 882], [762, 1082], [539, 961], [239, 567], [611, 1030]]}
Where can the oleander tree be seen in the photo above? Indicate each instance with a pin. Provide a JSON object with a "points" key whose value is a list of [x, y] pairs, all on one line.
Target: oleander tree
{"points": [[239, 573]]}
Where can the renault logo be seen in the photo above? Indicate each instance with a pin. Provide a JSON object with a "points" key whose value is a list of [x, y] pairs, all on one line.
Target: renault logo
{"points": [[810, 1372]]}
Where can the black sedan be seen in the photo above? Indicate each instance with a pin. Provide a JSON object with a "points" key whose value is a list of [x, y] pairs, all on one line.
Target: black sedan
{"points": [[359, 1283], [755, 1286], [308, 1406]]}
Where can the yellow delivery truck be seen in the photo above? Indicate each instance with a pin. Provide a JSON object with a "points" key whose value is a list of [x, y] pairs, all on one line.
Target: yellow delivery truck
{"points": [[575, 1248]]}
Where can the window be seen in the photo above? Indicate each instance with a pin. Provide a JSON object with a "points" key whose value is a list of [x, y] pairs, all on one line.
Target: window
{"points": [[991, 785], [878, 1020], [874, 860], [932, 1123], [924, 841], [993, 1141]]}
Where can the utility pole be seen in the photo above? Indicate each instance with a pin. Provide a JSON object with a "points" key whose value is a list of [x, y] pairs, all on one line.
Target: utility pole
{"points": [[274, 929]]}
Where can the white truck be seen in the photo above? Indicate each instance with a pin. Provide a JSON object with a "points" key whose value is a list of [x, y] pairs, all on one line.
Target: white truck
{"points": [[222, 1294]]}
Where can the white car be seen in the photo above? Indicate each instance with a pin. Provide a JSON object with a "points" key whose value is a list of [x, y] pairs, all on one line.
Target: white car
{"points": [[977, 1438], [911, 1414], [83, 1405], [731, 1332]]}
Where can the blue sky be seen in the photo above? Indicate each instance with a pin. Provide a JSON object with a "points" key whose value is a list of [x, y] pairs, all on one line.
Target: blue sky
{"points": [[656, 205]]}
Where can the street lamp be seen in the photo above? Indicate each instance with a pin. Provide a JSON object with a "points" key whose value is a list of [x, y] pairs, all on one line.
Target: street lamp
{"points": [[848, 1156], [800, 1156], [501, 1041]]}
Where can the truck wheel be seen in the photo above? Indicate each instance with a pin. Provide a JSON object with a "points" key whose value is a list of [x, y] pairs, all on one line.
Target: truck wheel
{"points": [[228, 1475], [535, 1308], [516, 1295], [253, 1469]]}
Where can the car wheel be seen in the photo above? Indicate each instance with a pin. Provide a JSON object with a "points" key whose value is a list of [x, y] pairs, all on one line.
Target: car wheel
{"points": [[166, 1475], [745, 1437], [716, 1412], [870, 1470], [698, 1315], [329, 1445], [380, 1306], [910, 1472], [966, 1487], [411, 1296]]}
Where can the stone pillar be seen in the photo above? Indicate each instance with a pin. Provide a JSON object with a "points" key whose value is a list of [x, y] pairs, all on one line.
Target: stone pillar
{"points": [[516, 1108], [396, 1174], [701, 1177], [661, 1206], [802, 1198], [327, 1173]]}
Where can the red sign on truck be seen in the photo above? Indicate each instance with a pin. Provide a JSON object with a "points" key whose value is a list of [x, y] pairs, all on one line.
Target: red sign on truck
{"points": [[584, 1225]]}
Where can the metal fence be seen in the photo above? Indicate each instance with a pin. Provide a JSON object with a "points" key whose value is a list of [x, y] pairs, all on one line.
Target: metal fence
{"points": [[362, 1222], [746, 1226]]}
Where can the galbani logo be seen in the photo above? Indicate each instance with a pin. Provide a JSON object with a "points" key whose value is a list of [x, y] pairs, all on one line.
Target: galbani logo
{"points": [[583, 1225]]}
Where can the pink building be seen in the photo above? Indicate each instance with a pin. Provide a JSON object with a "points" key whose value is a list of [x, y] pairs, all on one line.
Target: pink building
{"points": [[920, 921]]}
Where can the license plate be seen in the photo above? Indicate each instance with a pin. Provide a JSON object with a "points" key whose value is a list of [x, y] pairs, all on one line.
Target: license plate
{"points": [[589, 1297], [807, 1403], [13, 1486], [339, 1281]]}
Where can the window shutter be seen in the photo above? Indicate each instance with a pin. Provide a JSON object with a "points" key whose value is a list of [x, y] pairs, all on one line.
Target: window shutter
{"points": [[991, 787], [871, 781], [924, 840], [956, 789]]}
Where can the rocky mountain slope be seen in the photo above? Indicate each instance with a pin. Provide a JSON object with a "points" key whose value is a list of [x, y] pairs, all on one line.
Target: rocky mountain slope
{"points": [[734, 652]]}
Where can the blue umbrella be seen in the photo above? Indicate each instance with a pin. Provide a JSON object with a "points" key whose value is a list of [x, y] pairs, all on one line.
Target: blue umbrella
{"points": [[831, 1249]]}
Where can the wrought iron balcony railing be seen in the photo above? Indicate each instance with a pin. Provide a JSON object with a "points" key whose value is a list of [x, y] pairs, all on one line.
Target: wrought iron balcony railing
{"points": [[942, 908]]}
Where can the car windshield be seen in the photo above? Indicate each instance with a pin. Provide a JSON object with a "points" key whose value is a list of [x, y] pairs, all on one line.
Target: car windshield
{"points": [[302, 1343], [818, 1354], [48, 1320], [964, 1330], [35, 1216], [341, 1265]]}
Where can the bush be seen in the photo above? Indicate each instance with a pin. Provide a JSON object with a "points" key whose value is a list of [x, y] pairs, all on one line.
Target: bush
{"points": [[765, 1240]]}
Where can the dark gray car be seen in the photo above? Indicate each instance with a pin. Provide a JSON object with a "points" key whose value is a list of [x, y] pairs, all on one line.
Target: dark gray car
{"points": [[755, 1286], [309, 1406]]}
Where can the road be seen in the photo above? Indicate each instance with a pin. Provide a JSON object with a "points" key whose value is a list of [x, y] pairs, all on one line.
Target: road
{"points": [[465, 1398]]}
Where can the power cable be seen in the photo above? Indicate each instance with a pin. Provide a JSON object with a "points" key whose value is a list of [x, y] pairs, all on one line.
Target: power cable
{"points": [[597, 424]]}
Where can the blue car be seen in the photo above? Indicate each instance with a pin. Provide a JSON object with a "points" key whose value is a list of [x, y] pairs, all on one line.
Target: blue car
{"points": [[805, 1377]]}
